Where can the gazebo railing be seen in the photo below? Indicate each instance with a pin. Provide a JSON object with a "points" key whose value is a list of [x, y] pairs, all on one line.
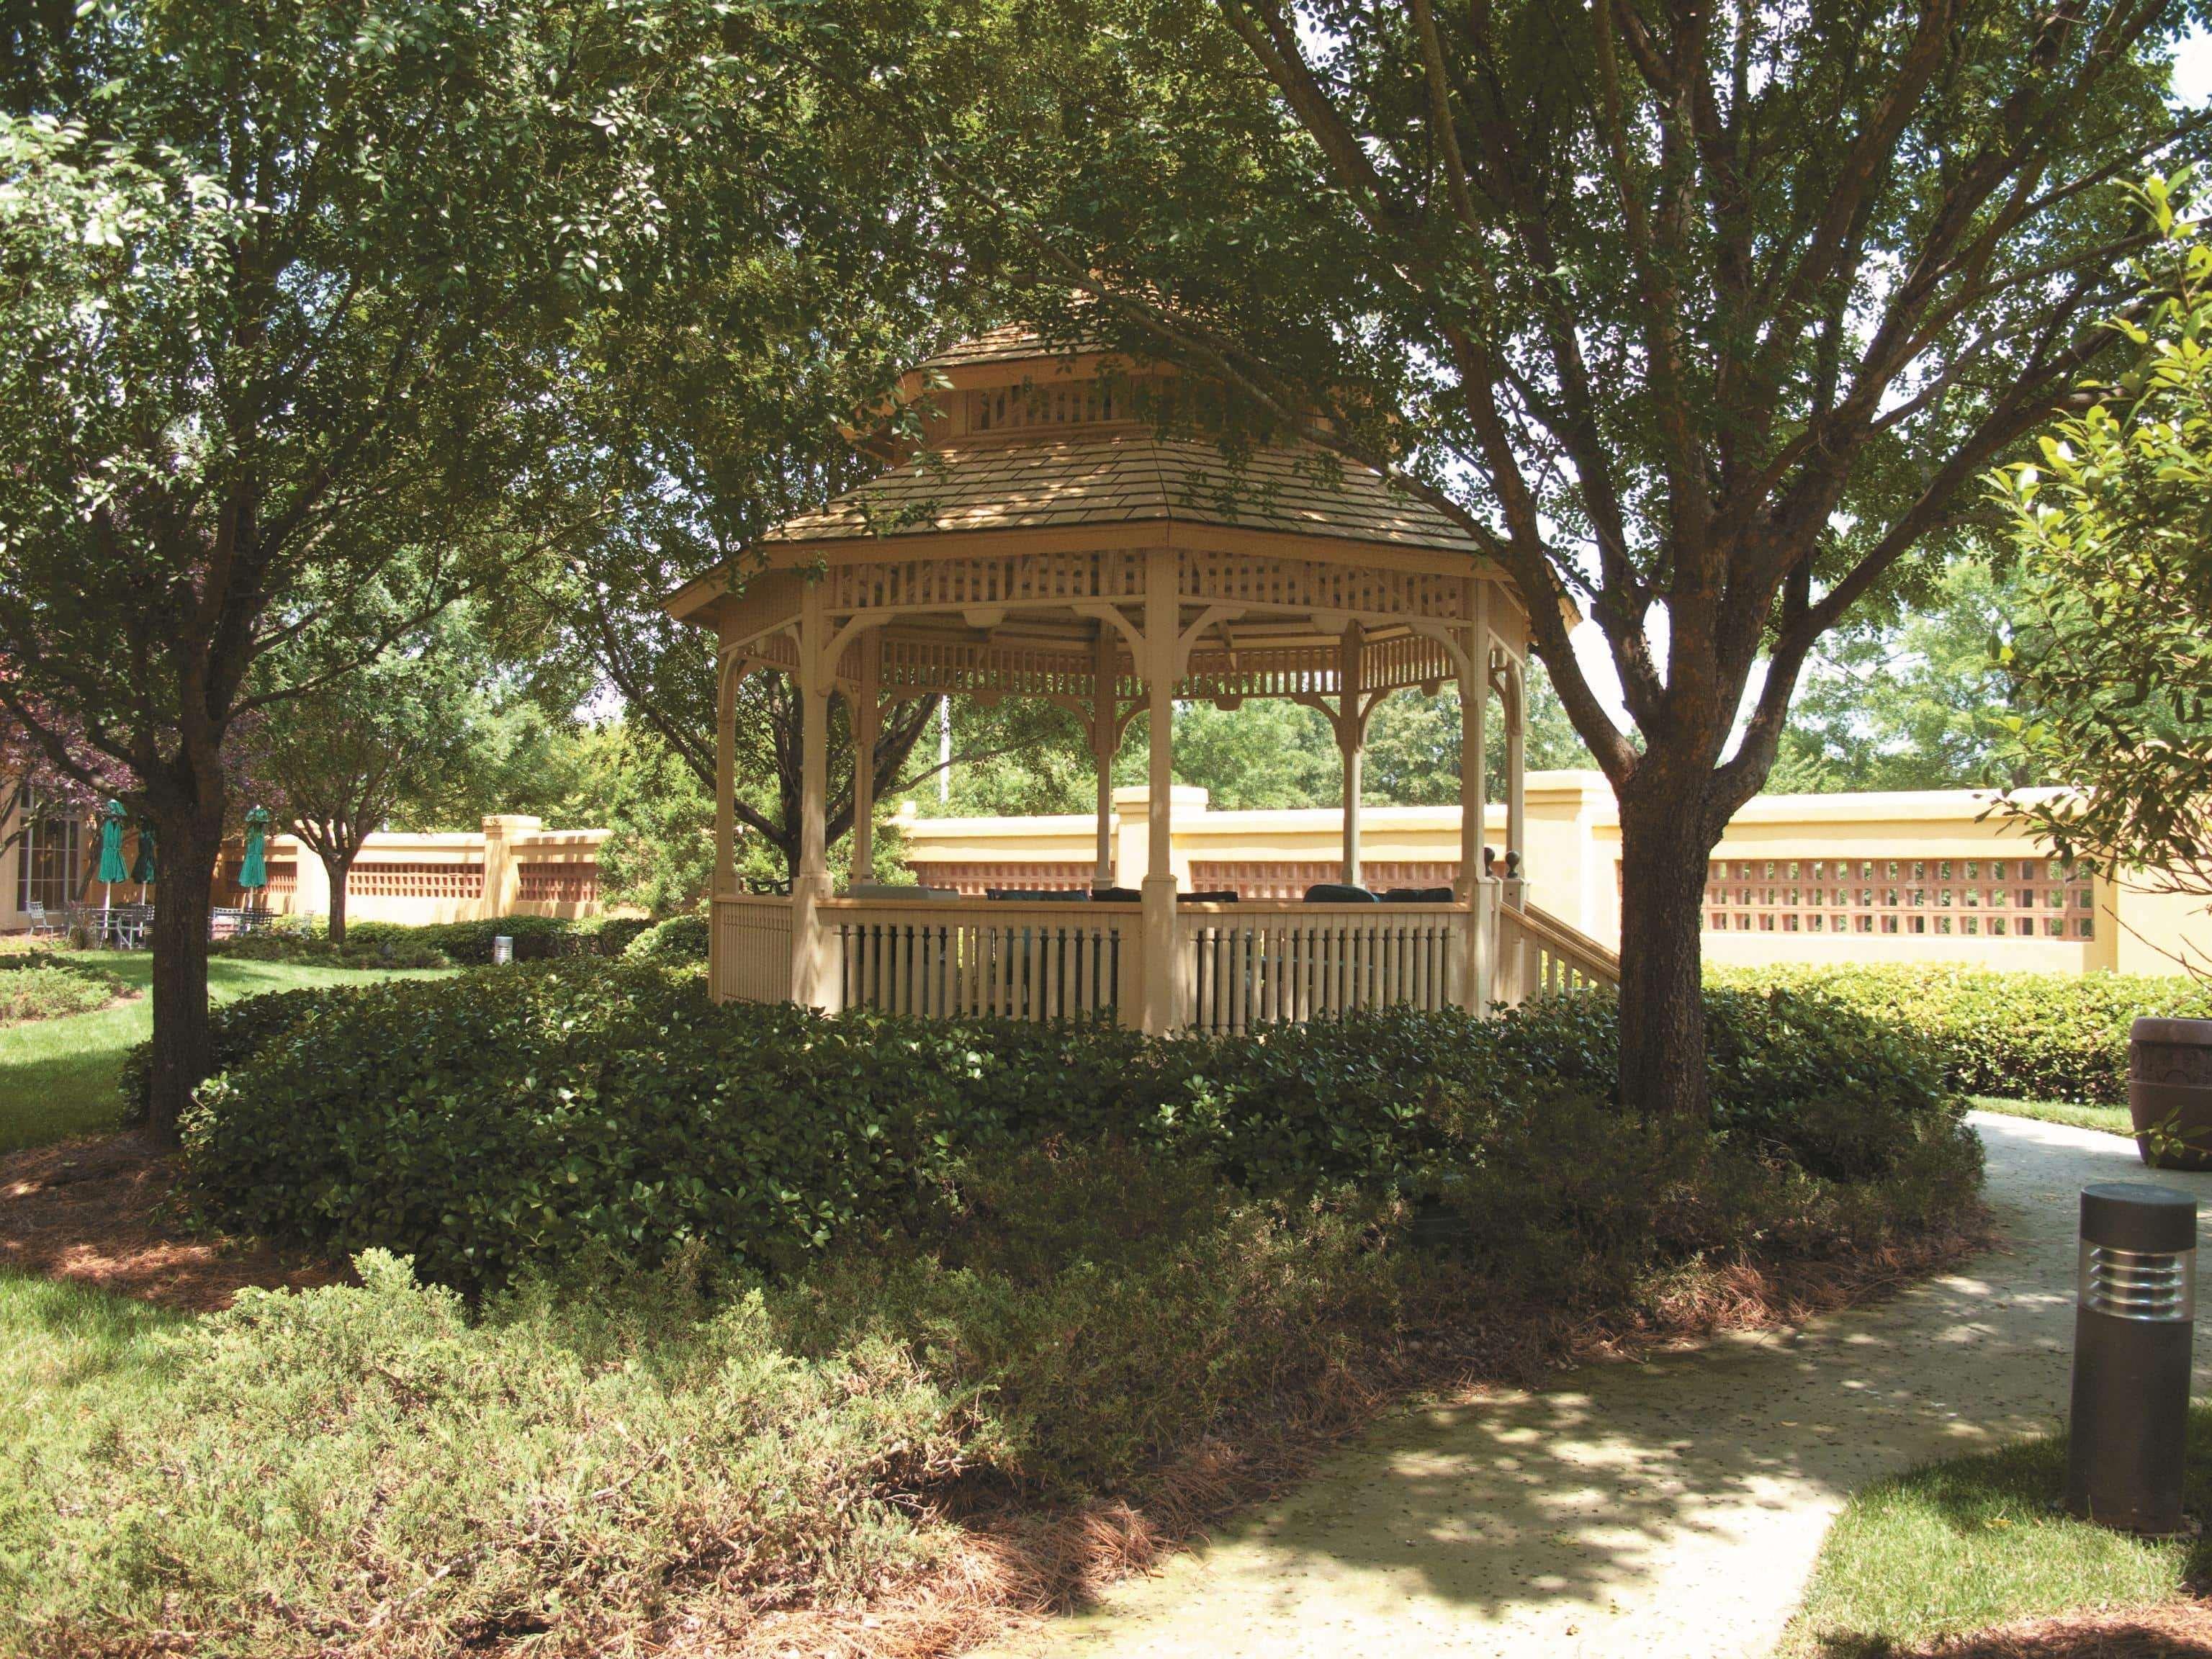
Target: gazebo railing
{"points": [[1539, 954], [1251, 965], [1020, 960], [752, 947]]}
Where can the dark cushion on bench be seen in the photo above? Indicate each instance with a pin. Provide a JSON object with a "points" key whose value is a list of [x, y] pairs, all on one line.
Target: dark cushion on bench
{"points": [[1335, 892], [1219, 896], [1115, 895], [1418, 895]]}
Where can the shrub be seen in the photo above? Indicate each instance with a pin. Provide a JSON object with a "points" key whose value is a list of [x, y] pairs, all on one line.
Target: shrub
{"points": [[679, 939], [468, 943], [48, 985], [497, 1120], [2033, 1037], [236, 1032], [304, 940], [607, 936]]}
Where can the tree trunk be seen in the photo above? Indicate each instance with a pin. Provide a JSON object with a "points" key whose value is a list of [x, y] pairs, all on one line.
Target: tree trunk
{"points": [[181, 901], [1664, 849], [338, 869]]}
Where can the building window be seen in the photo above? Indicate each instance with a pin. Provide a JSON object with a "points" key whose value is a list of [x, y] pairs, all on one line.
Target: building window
{"points": [[49, 858]]}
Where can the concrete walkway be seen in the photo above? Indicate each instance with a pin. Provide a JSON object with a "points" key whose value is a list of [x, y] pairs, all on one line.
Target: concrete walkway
{"points": [[1672, 1507]]}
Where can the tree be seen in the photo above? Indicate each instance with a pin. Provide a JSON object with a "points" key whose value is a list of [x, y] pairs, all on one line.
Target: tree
{"points": [[1704, 317], [2113, 643], [1919, 695], [343, 754], [280, 282]]}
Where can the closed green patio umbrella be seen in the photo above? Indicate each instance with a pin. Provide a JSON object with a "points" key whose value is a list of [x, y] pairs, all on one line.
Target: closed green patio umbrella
{"points": [[112, 868], [141, 867], [253, 868]]}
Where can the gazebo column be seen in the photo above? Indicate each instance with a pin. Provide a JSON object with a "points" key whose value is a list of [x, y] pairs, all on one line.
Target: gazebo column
{"points": [[1105, 732], [1476, 950], [868, 716], [1517, 777], [1350, 720], [813, 976], [1160, 1006], [728, 674]]}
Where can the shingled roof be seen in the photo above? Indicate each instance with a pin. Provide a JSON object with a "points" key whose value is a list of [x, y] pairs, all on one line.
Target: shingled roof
{"points": [[1010, 343], [1128, 477]]}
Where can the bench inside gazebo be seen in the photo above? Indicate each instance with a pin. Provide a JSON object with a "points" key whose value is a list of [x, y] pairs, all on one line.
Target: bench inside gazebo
{"points": [[1048, 542]]}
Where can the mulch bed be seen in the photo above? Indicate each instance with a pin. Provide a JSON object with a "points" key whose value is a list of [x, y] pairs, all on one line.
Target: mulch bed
{"points": [[103, 1211]]}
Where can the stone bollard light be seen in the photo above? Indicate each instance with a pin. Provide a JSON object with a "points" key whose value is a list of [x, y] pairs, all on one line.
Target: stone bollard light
{"points": [[503, 947], [2133, 1329]]}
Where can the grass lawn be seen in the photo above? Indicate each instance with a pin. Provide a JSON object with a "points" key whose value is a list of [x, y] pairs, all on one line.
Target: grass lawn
{"points": [[2112, 1120], [58, 1076], [1962, 1545]]}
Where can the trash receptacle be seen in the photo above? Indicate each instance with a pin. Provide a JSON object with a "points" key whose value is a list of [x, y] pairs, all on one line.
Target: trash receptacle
{"points": [[503, 947], [2133, 1327]]}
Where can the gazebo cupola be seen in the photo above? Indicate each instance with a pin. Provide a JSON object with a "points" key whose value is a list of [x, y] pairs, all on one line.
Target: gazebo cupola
{"points": [[1049, 541]]}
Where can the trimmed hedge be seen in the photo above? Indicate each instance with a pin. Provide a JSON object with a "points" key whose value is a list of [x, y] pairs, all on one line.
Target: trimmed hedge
{"points": [[488, 1123], [2025, 1036], [434, 944]]}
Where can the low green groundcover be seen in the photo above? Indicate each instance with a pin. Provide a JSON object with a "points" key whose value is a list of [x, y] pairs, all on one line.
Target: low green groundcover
{"points": [[2021, 1037], [515, 1116]]}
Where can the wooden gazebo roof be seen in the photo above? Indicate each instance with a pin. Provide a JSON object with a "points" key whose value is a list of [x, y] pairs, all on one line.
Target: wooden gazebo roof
{"points": [[989, 559], [1127, 477]]}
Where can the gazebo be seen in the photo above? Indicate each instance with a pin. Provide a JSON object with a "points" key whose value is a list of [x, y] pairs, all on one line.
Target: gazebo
{"points": [[1048, 541]]}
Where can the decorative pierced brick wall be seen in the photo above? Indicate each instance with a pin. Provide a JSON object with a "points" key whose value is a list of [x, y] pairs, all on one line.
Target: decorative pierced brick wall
{"points": [[558, 883], [972, 879], [424, 881], [1992, 898]]}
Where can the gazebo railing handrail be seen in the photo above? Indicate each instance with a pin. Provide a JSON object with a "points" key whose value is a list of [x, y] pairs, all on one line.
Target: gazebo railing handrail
{"points": [[944, 909]]}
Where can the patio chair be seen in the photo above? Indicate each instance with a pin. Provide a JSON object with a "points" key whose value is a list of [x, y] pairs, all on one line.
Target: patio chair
{"points": [[42, 925]]}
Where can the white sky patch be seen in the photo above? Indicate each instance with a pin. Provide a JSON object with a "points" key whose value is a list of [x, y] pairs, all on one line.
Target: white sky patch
{"points": [[2193, 69]]}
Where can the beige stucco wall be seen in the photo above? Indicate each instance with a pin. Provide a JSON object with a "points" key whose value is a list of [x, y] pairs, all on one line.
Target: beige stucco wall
{"points": [[1573, 849], [502, 848], [506, 843]]}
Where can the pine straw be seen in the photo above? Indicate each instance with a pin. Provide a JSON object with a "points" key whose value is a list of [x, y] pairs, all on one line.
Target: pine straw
{"points": [[2181, 1630], [102, 1211], [1012, 1568]]}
